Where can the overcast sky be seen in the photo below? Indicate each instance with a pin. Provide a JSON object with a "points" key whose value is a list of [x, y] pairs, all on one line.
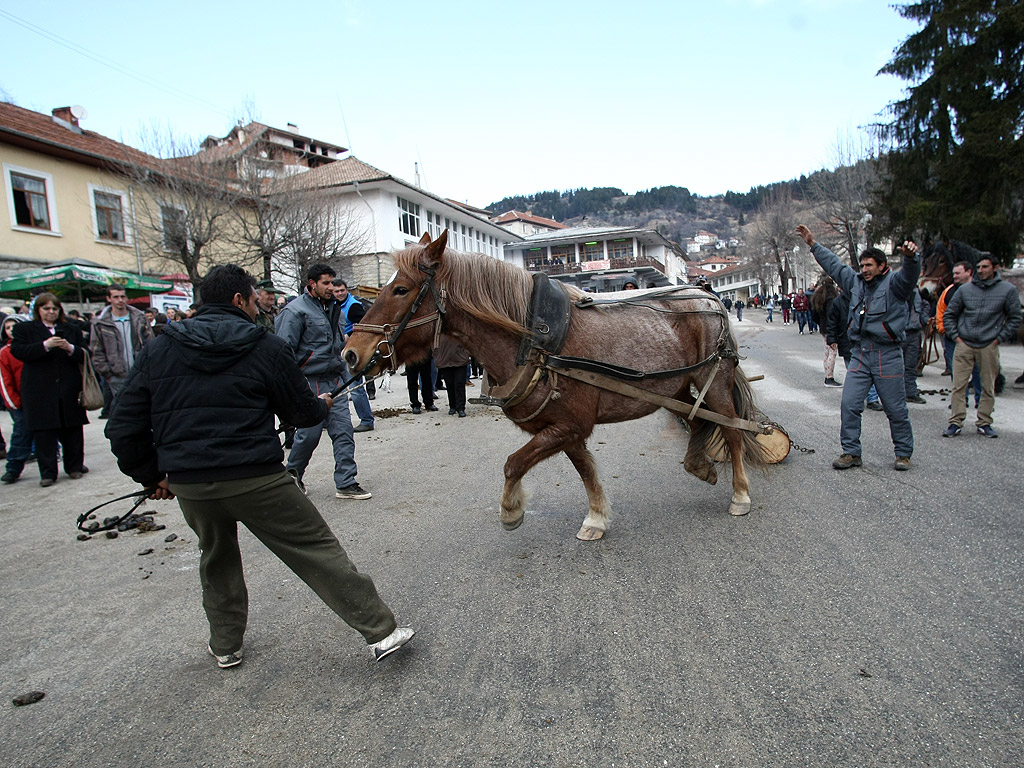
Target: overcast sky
{"points": [[490, 99]]}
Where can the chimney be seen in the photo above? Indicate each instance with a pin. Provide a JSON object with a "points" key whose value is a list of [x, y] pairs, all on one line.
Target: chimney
{"points": [[65, 114]]}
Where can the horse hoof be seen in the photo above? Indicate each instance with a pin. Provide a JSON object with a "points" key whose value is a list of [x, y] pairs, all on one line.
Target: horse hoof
{"points": [[738, 509], [511, 526], [589, 533]]}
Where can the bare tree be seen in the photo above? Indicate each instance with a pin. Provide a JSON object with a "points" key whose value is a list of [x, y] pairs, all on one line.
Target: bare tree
{"points": [[317, 228], [183, 203], [842, 196], [774, 232]]}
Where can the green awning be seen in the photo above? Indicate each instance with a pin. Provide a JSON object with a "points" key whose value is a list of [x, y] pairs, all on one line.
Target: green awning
{"points": [[76, 281]]}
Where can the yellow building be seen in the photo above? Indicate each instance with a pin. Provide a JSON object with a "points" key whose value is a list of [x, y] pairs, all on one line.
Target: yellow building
{"points": [[64, 193]]}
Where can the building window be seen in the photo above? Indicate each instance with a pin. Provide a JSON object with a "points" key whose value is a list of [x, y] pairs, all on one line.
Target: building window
{"points": [[30, 200], [108, 210], [409, 217], [30, 205], [620, 249], [563, 254], [592, 252], [174, 228]]}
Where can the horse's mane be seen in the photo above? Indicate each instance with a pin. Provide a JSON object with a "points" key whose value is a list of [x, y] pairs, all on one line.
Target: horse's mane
{"points": [[494, 292]]}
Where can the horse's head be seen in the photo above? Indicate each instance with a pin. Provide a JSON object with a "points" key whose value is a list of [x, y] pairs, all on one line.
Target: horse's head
{"points": [[401, 325], [936, 268]]}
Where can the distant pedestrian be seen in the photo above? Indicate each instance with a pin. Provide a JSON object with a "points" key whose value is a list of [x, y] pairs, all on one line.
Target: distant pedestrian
{"points": [[739, 309], [451, 359]]}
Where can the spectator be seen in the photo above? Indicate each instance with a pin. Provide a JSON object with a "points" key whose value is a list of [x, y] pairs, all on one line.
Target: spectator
{"points": [[313, 327], [10, 387], [812, 323], [117, 337], [223, 461], [52, 350], [819, 304], [787, 304], [156, 320], [75, 318], [876, 326], [912, 346], [982, 314], [266, 306], [963, 272], [452, 359], [421, 380], [801, 307], [353, 310], [770, 306], [739, 309], [266, 303]]}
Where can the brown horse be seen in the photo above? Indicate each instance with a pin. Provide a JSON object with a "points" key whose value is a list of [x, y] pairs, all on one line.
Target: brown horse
{"points": [[485, 306]]}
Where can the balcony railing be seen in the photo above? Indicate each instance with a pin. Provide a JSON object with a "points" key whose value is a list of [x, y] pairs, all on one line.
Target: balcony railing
{"points": [[569, 269]]}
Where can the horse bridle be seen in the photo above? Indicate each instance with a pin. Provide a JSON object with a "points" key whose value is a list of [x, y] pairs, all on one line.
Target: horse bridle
{"points": [[385, 349]]}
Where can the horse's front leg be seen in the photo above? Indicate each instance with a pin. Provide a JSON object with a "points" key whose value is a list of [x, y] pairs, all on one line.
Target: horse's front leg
{"points": [[596, 521], [740, 503], [542, 445]]}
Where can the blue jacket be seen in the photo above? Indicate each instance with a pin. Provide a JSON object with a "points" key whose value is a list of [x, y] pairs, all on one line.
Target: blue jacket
{"points": [[878, 309], [314, 333]]}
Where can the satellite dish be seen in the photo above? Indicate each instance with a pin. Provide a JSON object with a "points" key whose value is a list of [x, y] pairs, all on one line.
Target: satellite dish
{"points": [[79, 113]]}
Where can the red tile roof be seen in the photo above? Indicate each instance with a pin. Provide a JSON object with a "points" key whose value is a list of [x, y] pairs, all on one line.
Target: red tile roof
{"points": [[33, 130], [530, 218]]}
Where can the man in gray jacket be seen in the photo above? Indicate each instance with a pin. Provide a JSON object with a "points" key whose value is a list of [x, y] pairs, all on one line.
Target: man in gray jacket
{"points": [[876, 325], [117, 337], [981, 314], [312, 325]]}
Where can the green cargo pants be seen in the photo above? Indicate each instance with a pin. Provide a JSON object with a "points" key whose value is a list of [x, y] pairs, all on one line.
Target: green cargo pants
{"points": [[277, 513]]}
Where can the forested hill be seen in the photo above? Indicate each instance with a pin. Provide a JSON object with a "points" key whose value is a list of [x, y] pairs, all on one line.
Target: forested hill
{"points": [[673, 211]]}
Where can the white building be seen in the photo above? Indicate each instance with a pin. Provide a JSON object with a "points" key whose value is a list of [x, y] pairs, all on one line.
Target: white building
{"points": [[601, 258], [393, 214]]}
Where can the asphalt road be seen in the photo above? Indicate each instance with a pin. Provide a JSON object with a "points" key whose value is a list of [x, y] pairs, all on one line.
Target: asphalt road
{"points": [[862, 618]]}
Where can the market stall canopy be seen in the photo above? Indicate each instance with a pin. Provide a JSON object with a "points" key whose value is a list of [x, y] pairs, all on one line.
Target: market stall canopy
{"points": [[77, 280]]}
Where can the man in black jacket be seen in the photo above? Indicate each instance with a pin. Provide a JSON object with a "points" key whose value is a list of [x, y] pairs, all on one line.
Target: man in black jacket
{"points": [[196, 421]]}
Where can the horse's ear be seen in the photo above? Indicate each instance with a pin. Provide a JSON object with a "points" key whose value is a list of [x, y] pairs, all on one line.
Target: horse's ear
{"points": [[425, 240], [435, 250]]}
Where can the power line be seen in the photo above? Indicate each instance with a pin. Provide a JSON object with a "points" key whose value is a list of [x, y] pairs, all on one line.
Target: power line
{"points": [[109, 63]]}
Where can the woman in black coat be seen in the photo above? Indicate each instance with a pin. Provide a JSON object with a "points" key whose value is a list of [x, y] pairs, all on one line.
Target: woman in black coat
{"points": [[52, 350]]}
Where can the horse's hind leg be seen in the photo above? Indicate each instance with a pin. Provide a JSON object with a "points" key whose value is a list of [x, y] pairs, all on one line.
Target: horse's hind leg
{"points": [[697, 462], [596, 521], [543, 445]]}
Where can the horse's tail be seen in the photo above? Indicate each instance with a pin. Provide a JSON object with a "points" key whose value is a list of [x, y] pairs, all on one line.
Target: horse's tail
{"points": [[754, 453], [703, 433]]}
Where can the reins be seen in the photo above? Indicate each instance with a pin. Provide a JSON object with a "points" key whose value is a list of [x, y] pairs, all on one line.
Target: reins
{"points": [[142, 496]]}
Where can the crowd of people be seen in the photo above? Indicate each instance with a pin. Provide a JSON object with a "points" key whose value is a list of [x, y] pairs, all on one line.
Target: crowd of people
{"points": [[877, 320], [251, 356]]}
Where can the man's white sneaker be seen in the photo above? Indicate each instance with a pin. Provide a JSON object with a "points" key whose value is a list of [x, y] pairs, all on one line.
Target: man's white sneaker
{"points": [[392, 642], [230, 660]]}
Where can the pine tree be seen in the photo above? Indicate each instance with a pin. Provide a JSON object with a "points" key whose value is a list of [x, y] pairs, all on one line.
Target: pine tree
{"points": [[956, 164]]}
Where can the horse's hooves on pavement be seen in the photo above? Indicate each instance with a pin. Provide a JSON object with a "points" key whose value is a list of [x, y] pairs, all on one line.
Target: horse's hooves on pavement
{"points": [[589, 533], [739, 509]]}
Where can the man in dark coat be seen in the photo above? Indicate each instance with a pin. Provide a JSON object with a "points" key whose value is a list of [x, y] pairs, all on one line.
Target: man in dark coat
{"points": [[196, 421]]}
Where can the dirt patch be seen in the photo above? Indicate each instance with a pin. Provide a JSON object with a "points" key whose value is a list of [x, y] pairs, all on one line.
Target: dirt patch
{"points": [[388, 413]]}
